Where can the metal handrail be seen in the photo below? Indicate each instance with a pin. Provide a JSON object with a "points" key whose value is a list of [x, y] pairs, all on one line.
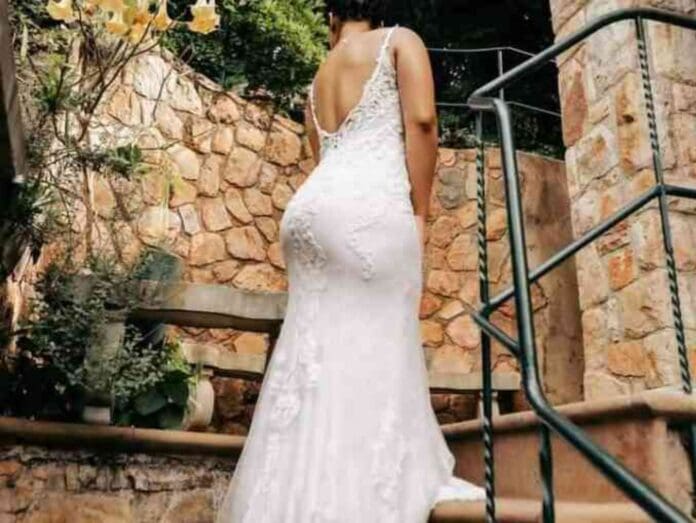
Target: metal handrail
{"points": [[553, 51], [498, 50], [474, 50], [483, 101]]}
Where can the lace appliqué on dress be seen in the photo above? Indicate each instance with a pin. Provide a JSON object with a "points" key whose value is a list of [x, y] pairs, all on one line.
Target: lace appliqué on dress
{"points": [[368, 219], [389, 452], [292, 378]]}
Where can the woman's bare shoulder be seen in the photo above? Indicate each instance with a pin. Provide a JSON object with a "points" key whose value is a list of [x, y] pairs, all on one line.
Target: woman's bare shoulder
{"points": [[406, 37]]}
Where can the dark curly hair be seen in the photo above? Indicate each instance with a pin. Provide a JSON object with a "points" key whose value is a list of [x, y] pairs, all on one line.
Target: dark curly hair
{"points": [[374, 11]]}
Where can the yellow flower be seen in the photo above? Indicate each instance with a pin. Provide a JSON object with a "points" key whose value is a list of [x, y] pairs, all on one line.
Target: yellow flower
{"points": [[137, 32], [61, 10], [205, 19], [141, 12], [112, 5], [162, 20], [116, 25], [90, 7], [204, 25]]}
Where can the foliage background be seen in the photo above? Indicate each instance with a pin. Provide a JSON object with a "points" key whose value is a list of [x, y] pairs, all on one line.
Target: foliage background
{"points": [[270, 49]]}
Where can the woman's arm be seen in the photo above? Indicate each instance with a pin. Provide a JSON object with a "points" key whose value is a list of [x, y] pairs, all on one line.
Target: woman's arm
{"points": [[417, 91], [311, 131]]}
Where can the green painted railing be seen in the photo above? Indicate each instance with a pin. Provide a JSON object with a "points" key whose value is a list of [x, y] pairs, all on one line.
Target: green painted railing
{"points": [[487, 99]]}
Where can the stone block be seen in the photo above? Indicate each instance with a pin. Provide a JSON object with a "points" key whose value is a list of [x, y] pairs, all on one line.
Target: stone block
{"points": [[451, 193], [622, 268], [168, 122], [189, 219], [451, 359], [463, 253], [275, 255], [464, 332], [185, 97], [214, 214], [242, 167], [260, 276], [443, 230], [185, 161], [645, 305], [207, 247], [210, 175], [182, 192], [593, 284], [574, 102], [628, 359], [245, 243], [281, 195], [224, 110], [235, 204], [251, 137], [443, 282], [633, 138], [428, 305], [595, 155], [268, 227], [431, 333], [222, 140], [283, 147], [225, 270], [259, 204]]}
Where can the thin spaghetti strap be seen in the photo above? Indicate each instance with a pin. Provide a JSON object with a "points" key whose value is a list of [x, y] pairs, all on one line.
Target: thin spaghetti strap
{"points": [[311, 108], [385, 42]]}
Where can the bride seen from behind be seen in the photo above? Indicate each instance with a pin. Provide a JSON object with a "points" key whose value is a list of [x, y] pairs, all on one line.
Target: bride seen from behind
{"points": [[343, 429], [341, 78]]}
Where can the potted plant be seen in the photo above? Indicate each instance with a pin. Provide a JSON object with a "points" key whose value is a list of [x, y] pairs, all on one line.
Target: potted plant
{"points": [[152, 386]]}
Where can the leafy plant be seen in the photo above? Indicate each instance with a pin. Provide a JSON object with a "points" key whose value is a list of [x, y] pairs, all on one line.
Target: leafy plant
{"points": [[152, 386], [26, 219], [49, 371], [264, 48], [52, 373]]}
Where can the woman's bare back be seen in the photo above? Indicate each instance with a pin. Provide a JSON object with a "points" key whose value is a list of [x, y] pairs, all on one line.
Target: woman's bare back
{"points": [[340, 81]]}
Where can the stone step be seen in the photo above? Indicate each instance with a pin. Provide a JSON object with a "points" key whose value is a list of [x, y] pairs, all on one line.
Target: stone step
{"points": [[212, 306], [641, 431], [510, 510]]}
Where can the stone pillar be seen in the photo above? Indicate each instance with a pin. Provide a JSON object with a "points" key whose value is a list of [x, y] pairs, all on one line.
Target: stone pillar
{"points": [[629, 338]]}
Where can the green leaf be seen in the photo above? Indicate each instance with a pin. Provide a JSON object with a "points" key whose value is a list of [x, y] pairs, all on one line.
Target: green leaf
{"points": [[176, 391], [170, 417], [124, 419], [177, 375], [149, 402]]}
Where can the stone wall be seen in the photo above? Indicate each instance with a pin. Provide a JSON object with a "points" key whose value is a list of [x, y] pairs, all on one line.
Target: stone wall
{"points": [[452, 265], [38, 485], [219, 172], [630, 342]]}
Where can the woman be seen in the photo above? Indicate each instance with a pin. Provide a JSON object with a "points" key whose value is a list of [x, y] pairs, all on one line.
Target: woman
{"points": [[343, 429]]}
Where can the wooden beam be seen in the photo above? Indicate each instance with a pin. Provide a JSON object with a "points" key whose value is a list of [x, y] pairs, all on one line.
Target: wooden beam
{"points": [[12, 152]]}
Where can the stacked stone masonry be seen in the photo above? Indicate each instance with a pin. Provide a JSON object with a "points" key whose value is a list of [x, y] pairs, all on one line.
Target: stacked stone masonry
{"points": [[627, 323], [39, 485]]}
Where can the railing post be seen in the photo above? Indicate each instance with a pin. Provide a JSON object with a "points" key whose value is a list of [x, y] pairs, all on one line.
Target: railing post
{"points": [[668, 243], [523, 300], [486, 367], [501, 70]]}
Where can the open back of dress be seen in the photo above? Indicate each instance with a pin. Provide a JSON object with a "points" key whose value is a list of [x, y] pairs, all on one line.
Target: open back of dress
{"points": [[344, 430]]}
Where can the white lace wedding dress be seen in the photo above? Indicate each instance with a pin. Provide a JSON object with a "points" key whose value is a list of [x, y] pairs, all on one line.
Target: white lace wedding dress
{"points": [[343, 430]]}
